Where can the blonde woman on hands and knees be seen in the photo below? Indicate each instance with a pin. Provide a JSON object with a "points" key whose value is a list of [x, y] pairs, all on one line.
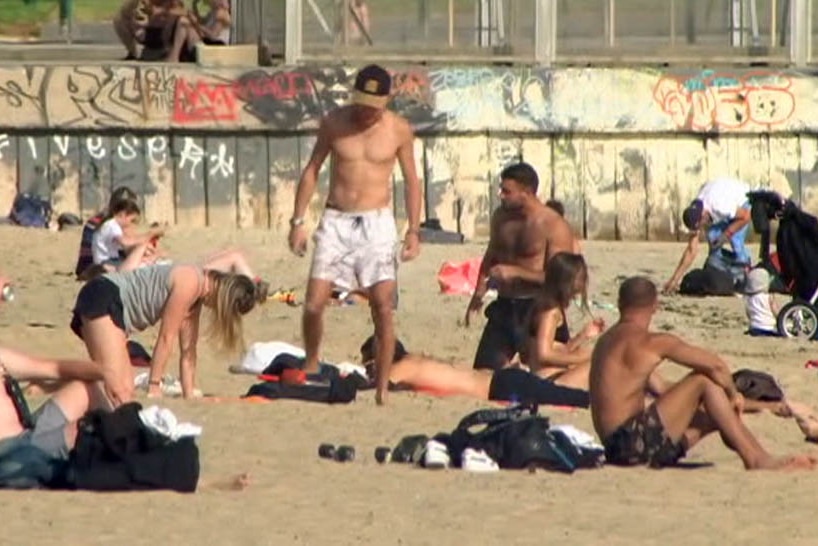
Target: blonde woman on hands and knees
{"points": [[111, 307]]}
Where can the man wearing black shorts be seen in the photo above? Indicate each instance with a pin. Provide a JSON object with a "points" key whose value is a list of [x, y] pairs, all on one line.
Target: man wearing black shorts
{"points": [[525, 234]]}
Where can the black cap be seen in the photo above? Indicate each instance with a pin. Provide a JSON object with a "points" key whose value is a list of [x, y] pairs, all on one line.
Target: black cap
{"points": [[372, 87], [692, 215]]}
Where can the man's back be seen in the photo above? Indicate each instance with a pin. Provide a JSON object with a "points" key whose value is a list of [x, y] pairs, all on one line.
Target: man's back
{"points": [[621, 364]]}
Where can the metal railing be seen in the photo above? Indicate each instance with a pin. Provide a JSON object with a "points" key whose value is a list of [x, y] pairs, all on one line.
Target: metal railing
{"points": [[548, 32]]}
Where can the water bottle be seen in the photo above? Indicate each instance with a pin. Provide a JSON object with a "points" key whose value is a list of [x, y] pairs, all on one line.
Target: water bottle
{"points": [[7, 293]]}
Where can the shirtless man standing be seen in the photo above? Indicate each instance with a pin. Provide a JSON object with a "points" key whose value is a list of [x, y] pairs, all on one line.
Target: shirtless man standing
{"points": [[623, 373], [525, 234], [356, 241]]}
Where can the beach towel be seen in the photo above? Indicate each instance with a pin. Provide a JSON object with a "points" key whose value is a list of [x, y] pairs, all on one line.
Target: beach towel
{"points": [[338, 390], [261, 354]]}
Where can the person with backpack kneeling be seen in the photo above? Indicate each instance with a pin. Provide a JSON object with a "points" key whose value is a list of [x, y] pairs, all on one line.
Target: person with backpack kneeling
{"points": [[720, 213]]}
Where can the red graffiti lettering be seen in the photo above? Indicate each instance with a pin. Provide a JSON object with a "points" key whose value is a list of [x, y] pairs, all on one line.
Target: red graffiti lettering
{"points": [[278, 86], [726, 101], [203, 102], [413, 84]]}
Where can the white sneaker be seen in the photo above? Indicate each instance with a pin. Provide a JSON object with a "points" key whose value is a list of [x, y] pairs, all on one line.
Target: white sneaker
{"points": [[474, 460], [436, 455]]}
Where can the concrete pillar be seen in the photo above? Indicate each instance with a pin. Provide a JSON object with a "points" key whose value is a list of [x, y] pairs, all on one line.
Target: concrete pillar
{"points": [[545, 32], [294, 23], [801, 29]]}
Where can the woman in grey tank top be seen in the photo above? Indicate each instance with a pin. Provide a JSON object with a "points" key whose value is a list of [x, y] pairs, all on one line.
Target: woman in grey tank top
{"points": [[111, 307]]}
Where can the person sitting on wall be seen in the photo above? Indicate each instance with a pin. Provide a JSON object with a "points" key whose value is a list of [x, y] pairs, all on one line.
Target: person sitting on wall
{"points": [[160, 32], [721, 213], [191, 28], [129, 25]]}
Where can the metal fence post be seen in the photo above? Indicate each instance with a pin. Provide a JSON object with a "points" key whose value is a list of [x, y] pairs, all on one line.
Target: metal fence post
{"points": [[293, 27], [545, 32], [801, 32]]}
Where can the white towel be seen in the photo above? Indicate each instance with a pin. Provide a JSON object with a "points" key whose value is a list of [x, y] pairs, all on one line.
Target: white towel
{"points": [[578, 437], [163, 421], [261, 354]]}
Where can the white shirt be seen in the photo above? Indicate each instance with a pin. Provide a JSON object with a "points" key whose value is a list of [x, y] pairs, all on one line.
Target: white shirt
{"points": [[105, 245], [722, 197], [759, 312]]}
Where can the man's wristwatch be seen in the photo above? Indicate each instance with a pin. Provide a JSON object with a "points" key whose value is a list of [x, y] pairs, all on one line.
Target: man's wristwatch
{"points": [[295, 222]]}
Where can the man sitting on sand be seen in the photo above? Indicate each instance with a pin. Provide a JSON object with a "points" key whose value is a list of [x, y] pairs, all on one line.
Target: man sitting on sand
{"points": [[623, 373]]}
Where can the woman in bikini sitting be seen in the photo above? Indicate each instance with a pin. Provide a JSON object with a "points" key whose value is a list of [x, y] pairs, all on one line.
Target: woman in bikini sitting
{"points": [[111, 307]]}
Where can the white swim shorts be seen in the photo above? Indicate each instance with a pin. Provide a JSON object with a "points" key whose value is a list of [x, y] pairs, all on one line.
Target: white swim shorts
{"points": [[356, 249]]}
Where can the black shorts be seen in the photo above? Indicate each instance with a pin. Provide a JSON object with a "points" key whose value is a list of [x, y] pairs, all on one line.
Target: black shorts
{"points": [[508, 331], [98, 298], [521, 386]]}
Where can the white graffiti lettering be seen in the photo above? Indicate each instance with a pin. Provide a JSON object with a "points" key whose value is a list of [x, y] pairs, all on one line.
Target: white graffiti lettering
{"points": [[62, 143], [96, 147], [193, 153], [126, 149], [222, 163], [4, 143], [157, 150], [33, 147]]}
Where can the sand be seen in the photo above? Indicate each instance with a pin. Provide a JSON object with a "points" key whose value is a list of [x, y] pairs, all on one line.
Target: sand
{"points": [[297, 498]]}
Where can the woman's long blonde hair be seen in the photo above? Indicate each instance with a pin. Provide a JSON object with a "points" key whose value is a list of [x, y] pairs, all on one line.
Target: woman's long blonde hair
{"points": [[232, 297]]}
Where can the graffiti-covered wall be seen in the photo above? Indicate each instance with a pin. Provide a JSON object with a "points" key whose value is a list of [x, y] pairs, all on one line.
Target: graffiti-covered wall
{"points": [[623, 148]]}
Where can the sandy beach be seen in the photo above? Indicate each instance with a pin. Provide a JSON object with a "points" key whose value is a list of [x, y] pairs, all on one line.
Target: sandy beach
{"points": [[297, 498]]}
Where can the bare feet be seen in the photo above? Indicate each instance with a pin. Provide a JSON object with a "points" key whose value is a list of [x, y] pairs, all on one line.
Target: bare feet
{"points": [[236, 483], [806, 419], [792, 462]]}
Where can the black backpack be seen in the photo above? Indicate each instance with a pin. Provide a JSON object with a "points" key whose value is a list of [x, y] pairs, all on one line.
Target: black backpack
{"points": [[115, 451], [755, 385], [707, 282], [516, 438], [29, 210]]}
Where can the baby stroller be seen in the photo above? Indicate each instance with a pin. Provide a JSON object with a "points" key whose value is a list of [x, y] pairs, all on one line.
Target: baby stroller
{"points": [[796, 257]]}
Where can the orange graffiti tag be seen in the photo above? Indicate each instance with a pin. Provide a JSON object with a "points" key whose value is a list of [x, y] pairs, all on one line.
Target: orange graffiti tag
{"points": [[726, 101]]}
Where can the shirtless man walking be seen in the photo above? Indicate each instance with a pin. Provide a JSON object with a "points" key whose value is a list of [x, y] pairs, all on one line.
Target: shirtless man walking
{"points": [[623, 373], [356, 241], [525, 234]]}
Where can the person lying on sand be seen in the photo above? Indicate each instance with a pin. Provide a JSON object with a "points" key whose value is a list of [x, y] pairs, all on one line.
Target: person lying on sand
{"points": [[423, 373], [52, 428], [623, 367]]}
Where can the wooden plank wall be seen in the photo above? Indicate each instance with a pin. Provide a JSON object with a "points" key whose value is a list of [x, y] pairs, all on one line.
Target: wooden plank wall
{"points": [[623, 187]]}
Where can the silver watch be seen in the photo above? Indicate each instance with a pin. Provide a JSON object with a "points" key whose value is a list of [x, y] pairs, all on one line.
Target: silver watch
{"points": [[295, 222]]}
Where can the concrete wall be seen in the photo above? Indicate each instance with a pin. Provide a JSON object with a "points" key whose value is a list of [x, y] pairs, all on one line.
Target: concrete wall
{"points": [[623, 148]]}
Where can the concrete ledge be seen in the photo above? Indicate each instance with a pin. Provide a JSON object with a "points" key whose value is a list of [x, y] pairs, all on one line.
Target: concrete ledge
{"points": [[60, 52], [227, 55]]}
